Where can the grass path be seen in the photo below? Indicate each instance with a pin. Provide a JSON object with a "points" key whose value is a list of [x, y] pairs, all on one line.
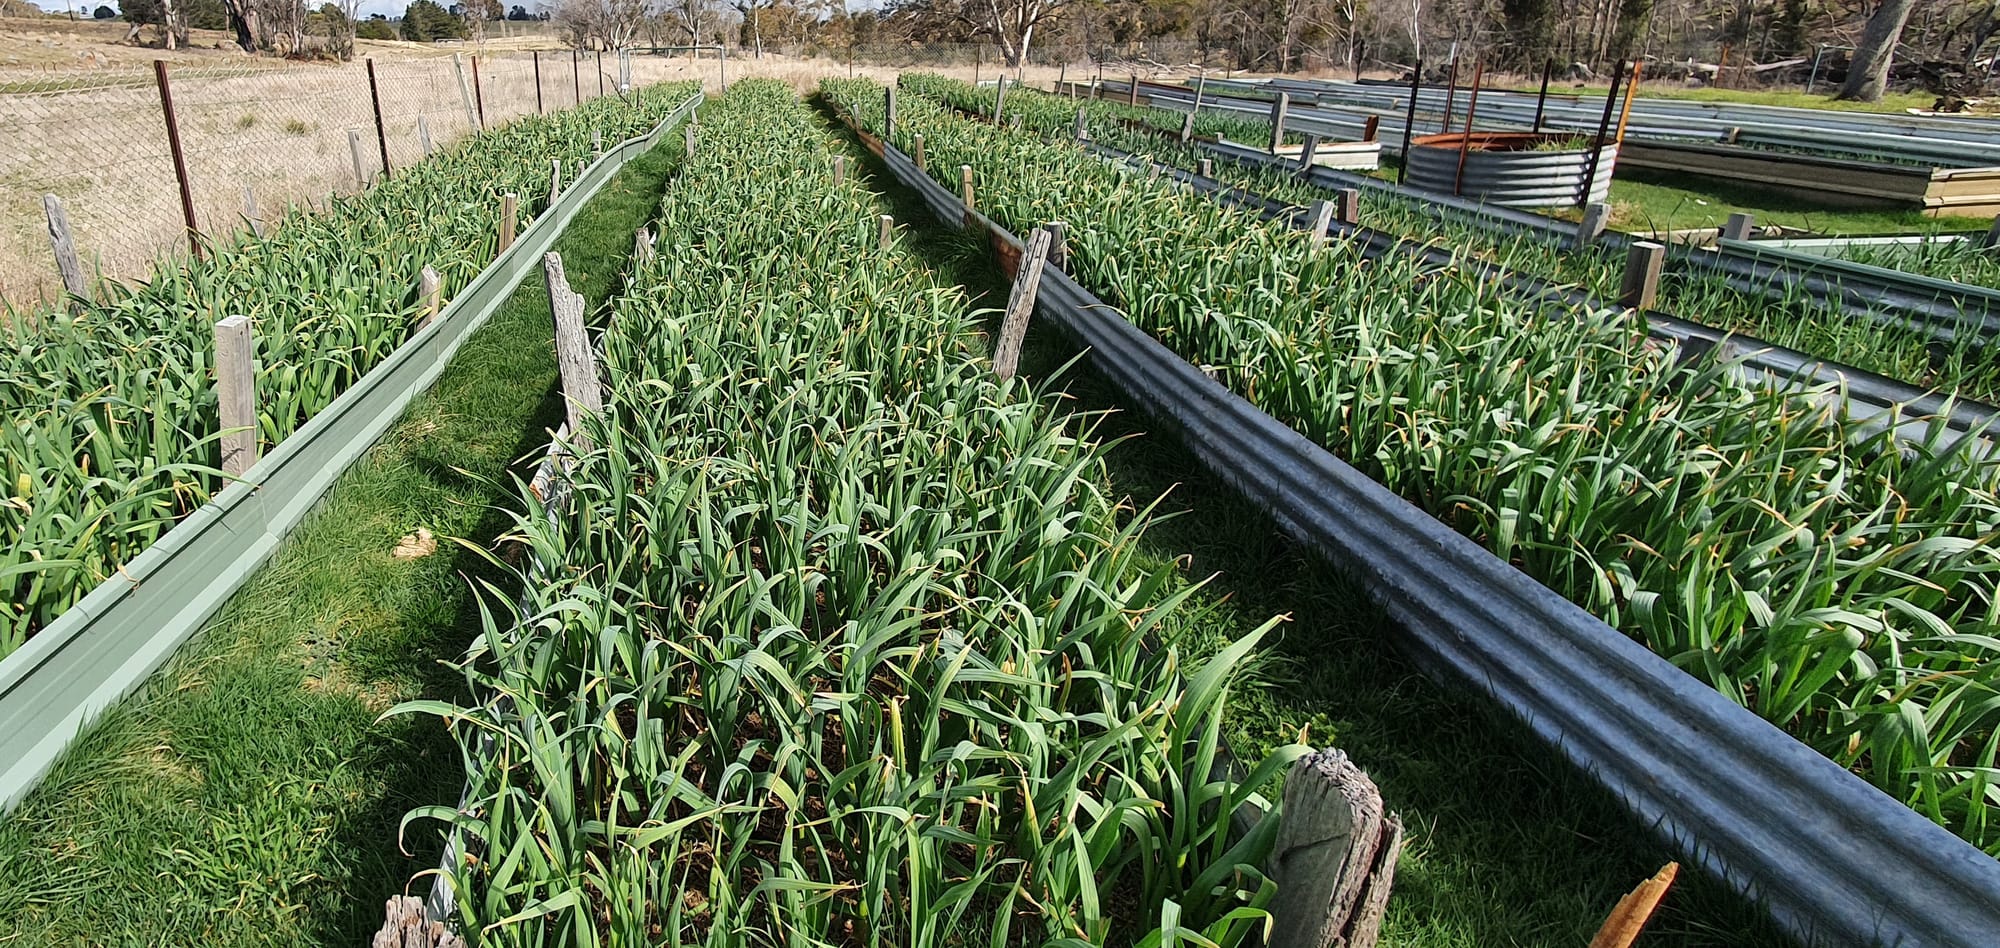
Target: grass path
{"points": [[1508, 846], [252, 797]]}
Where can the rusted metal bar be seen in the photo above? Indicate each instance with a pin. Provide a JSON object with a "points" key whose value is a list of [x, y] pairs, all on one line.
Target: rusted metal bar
{"points": [[381, 132], [180, 156]]}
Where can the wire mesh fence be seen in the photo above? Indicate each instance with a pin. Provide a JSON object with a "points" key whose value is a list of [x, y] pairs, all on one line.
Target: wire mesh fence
{"points": [[256, 141], [260, 139]]}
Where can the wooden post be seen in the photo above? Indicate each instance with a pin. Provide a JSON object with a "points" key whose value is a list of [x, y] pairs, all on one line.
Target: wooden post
{"points": [[539, 109], [1187, 128], [1642, 274], [839, 170], [1334, 859], [1319, 220], [1020, 303], [1059, 245], [574, 357], [1730, 134], [1628, 918], [1133, 99], [1631, 92], [1347, 205], [965, 190], [1307, 153], [180, 157], [236, 393], [424, 135], [1371, 128], [1739, 226], [60, 241], [354, 152], [999, 97], [918, 141], [687, 138], [430, 295], [1200, 86], [885, 236], [406, 924], [1207, 168], [1596, 215], [465, 92], [597, 143], [1082, 127], [1992, 238], [555, 180], [1278, 109], [643, 248], [889, 113], [250, 214], [508, 205], [381, 131]]}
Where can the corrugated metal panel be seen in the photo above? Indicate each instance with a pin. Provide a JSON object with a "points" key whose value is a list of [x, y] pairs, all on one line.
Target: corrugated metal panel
{"points": [[1833, 858], [108, 643], [1511, 178]]}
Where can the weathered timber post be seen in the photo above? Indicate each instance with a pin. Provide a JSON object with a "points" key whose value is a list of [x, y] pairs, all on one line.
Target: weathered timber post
{"points": [[236, 393], [509, 209], [1596, 215], [64, 248], [430, 295], [1335, 856], [582, 390], [1642, 274], [885, 236], [1020, 303]]}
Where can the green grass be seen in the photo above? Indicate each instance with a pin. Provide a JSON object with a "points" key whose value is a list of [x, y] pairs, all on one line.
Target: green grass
{"points": [[1792, 98], [253, 797], [1647, 200], [1507, 844]]}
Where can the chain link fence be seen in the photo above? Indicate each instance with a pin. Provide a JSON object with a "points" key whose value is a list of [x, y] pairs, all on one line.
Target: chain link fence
{"points": [[257, 140], [261, 138]]}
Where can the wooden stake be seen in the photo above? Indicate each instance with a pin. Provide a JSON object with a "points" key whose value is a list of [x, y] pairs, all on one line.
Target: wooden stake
{"points": [[1631, 92], [918, 141], [1371, 128], [1348, 205], [508, 210], [889, 117], [999, 97], [1596, 215], [1992, 238], [555, 180], [1335, 856], [885, 237], [60, 241], [581, 388], [1207, 168], [1319, 220], [354, 152], [1629, 916], [1133, 100], [1020, 303], [1307, 153], [465, 93], [839, 170], [250, 213], [597, 143], [687, 138], [424, 135], [1278, 121], [236, 393], [643, 248], [965, 189], [1187, 128], [1059, 245], [1642, 274], [1082, 127], [430, 294], [1739, 226]]}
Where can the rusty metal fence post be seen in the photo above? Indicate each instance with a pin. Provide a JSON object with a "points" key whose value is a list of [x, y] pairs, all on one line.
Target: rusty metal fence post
{"points": [[180, 157]]}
